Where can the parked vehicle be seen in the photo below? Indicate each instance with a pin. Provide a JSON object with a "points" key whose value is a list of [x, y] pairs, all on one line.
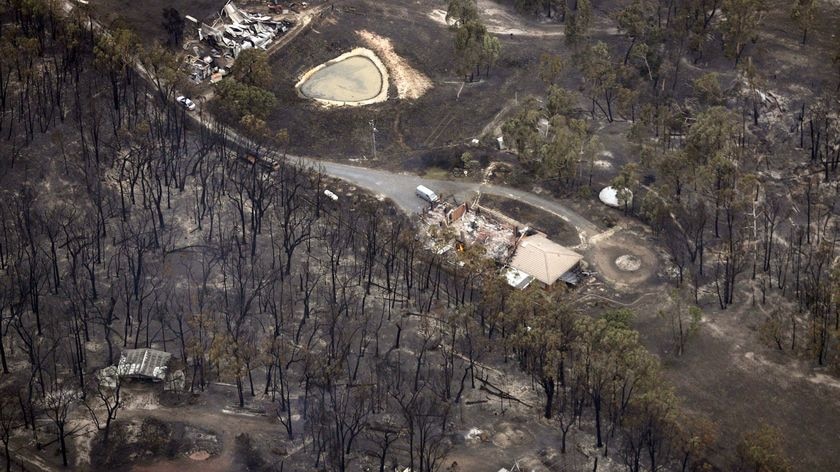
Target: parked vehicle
{"points": [[186, 102], [426, 193]]}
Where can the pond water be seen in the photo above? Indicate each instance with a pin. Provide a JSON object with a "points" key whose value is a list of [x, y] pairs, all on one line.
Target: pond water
{"points": [[350, 80]]}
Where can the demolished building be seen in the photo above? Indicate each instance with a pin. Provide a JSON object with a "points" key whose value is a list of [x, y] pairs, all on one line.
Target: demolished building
{"points": [[233, 31], [470, 225], [526, 255], [236, 30]]}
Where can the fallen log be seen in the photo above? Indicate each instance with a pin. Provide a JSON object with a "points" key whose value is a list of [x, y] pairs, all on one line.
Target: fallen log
{"points": [[496, 391], [476, 402]]}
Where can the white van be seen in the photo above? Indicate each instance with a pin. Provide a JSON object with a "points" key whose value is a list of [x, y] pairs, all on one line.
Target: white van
{"points": [[426, 194]]}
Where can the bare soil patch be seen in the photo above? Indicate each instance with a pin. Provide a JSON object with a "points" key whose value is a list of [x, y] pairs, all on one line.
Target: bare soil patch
{"points": [[727, 375], [556, 229], [445, 113], [410, 82], [625, 260], [138, 440], [146, 18]]}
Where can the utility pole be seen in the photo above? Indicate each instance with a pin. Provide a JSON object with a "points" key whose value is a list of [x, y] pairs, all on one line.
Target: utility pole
{"points": [[373, 136]]}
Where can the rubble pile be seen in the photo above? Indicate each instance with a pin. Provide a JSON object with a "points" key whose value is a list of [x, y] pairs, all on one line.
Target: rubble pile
{"points": [[465, 226], [234, 31], [496, 237]]}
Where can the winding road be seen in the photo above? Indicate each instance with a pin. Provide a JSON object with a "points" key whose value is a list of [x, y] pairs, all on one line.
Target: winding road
{"points": [[399, 187]]}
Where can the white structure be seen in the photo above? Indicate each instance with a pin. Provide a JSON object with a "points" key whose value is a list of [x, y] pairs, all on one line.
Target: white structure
{"points": [[517, 279], [609, 196]]}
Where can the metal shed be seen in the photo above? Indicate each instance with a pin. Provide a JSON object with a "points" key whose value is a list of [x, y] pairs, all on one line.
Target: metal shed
{"points": [[147, 364]]}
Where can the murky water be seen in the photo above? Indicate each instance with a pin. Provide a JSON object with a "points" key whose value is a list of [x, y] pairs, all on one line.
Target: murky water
{"points": [[351, 80]]}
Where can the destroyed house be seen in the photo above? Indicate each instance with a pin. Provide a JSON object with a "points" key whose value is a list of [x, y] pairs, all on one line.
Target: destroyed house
{"points": [[237, 30], [525, 254], [144, 364], [546, 260]]}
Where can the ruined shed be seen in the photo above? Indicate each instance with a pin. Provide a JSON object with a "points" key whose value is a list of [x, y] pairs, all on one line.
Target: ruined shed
{"points": [[144, 364], [544, 259]]}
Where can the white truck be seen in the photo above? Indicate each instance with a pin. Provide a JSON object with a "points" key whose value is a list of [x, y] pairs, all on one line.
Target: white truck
{"points": [[426, 193]]}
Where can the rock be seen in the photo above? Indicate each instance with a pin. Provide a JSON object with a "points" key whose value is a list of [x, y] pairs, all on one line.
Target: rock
{"points": [[199, 456]]}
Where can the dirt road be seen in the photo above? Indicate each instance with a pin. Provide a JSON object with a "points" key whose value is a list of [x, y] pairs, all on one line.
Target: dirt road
{"points": [[399, 187]]}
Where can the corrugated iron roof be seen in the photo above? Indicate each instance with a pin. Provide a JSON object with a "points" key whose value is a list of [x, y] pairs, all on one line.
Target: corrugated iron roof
{"points": [[144, 363]]}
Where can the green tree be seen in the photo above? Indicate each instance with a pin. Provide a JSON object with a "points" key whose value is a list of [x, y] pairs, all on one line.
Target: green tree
{"points": [[460, 12], [742, 19], [625, 185], [521, 132], [773, 329], [545, 330], [693, 437], [560, 101], [162, 66], [252, 68], [535, 6], [761, 450], [600, 74], [638, 22], [257, 130], [712, 133], [469, 44], [649, 425], [707, 89], [578, 21], [567, 143], [237, 100], [491, 49], [116, 54], [684, 320], [551, 68], [754, 83], [611, 358], [473, 45]]}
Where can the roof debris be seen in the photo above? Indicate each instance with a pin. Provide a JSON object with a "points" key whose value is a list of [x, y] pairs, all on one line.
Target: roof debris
{"points": [[233, 31], [149, 364]]}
